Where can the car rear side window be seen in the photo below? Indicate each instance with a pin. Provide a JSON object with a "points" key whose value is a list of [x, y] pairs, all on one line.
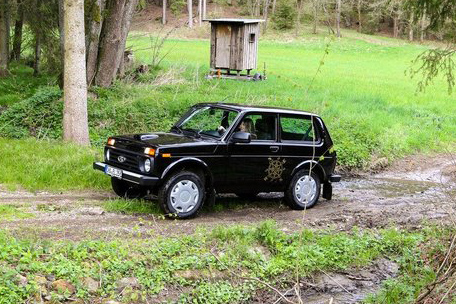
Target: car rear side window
{"points": [[297, 128]]}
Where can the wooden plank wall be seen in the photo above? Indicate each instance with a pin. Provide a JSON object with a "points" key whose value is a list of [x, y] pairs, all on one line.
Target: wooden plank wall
{"points": [[213, 46], [243, 54]]}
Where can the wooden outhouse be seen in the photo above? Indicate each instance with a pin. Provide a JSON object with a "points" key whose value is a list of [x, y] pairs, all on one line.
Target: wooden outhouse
{"points": [[234, 44]]}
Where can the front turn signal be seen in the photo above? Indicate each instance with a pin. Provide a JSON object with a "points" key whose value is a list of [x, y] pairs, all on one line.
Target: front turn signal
{"points": [[149, 151], [111, 141]]}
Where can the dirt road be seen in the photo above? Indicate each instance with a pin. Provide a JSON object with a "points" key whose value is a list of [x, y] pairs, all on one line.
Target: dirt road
{"points": [[415, 190]]}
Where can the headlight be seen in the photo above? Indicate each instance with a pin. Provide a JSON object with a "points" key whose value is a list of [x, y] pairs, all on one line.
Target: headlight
{"points": [[107, 154], [147, 165]]}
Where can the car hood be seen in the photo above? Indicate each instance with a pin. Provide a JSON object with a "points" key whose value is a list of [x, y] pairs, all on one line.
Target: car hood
{"points": [[153, 139]]}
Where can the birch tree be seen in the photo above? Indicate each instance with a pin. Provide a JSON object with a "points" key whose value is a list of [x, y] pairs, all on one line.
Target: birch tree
{"points": [[190, 13], [75, 120], [164, 4], [338, 8]]}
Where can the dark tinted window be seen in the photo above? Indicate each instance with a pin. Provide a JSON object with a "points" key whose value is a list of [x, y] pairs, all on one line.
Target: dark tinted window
{"points": [[297, 128]]}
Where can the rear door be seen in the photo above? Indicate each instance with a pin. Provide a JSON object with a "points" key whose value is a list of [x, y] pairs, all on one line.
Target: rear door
{"points": [[250, 163], [300, 140]]}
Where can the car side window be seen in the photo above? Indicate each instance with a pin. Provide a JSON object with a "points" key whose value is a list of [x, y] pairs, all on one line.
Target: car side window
{"points": [[260, 126], [297, 128]]}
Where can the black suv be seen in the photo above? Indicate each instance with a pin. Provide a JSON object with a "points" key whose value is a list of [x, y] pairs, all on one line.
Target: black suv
{"points": [[225, 148]]}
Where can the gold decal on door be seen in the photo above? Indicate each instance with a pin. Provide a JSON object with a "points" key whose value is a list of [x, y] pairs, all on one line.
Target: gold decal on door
{"points": [[275, 170]]}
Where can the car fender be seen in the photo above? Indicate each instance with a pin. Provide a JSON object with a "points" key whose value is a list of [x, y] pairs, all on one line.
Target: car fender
{"points": [[314, 165], [188, 161]]}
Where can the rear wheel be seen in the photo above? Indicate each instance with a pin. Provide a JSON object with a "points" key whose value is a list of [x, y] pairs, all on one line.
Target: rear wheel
{"points": [[127, 190], [303, 191], [182, 195]]}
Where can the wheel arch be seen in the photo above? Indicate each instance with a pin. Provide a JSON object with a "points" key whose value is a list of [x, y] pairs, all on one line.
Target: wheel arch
{"points": [[310, 165], [190, 164]]}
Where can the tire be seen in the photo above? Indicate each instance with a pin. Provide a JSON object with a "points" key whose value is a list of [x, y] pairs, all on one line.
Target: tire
{"points": [[127, 190], [182, 195], [302, 180], [247, 196]]}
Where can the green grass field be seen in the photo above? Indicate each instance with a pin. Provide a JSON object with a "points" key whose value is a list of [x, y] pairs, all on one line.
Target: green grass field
{"points": [[359, 87], [361, 90]]}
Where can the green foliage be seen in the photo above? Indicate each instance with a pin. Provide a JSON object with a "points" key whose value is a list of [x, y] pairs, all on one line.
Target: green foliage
{"points": [[52, 165], [285, 15], [132, 206], [177, 6], [158, 262], [11, 212], [39, 116], [20, 85]]}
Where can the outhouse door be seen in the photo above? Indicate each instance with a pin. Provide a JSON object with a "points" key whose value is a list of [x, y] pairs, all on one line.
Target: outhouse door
{"points": [[222, 46]]}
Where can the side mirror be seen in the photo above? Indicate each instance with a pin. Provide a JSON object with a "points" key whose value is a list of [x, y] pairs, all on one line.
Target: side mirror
{"points": [[241, 137]]}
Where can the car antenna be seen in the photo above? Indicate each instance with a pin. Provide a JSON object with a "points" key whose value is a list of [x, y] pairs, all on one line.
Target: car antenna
{"points": [[224, 99]]}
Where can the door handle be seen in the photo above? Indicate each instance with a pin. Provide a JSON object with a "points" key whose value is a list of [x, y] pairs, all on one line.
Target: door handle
{"points": [[274, 149]]}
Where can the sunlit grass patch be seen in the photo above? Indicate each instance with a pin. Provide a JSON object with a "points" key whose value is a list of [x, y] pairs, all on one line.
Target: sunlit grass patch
{"points": [[50, 165], [132, 206], [13, 212]]}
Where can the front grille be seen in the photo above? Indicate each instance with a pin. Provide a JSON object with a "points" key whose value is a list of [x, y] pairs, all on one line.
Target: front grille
{"points": [[131, 160]]}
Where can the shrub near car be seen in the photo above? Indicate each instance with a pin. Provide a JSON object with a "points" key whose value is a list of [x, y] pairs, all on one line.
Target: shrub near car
{"points": [[225, 148]]}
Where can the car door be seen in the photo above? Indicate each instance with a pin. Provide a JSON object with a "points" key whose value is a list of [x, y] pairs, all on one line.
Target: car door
{"points": [[249, 162], [299, 139]]}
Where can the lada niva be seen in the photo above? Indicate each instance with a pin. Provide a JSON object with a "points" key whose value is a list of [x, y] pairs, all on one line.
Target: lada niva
{"points": [[225, 148]]}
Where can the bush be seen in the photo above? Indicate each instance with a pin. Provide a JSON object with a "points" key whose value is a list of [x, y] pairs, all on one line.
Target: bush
{"points": [[39, 116], [285, 16]]}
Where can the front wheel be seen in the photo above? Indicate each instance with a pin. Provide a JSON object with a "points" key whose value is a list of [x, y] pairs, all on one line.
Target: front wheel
{"points": [[127, 190], [182, 195], [303, 191]]}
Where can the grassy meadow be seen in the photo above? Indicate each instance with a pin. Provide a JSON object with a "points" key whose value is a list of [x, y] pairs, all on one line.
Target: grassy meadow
{"points": [[358, 84]]}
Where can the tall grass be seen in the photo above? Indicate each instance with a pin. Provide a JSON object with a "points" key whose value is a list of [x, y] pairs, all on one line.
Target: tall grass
{"points": [[48, 165]]}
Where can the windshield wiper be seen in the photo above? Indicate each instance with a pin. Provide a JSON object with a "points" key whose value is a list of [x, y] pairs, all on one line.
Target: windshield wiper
{"points": [[176, 128], [194, 132]]}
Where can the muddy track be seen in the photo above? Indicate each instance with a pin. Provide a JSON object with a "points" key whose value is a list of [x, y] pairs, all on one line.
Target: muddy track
{"points": [[417, 191]]}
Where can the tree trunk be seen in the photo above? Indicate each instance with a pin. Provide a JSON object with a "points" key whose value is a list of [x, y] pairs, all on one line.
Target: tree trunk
{"points": [[200, 8], [17, 41], [129, 10], [110, 44], [75, 118], [93, 38], [274, 3], [315, 23], [190, 13], [61, 42], [411, 29], [204, 8], [299, 4], [265, 14], [338, 4], [395, 26], [164, 12], [359, 16], [37, 62], [422, 28], [4, 38]]}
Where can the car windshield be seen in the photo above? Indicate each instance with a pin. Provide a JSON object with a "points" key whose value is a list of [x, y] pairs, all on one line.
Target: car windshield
{"points": [[209, 121]]}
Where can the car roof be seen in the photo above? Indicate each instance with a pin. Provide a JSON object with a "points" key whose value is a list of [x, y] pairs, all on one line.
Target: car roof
{"points": [[241, 107]]}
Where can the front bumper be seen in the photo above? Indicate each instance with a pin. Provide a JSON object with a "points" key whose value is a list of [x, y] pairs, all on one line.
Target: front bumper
{"points": [[128, 176]]}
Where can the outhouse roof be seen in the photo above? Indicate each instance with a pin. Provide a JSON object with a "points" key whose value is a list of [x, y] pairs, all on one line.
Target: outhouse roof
{"points": [[233, 20]]}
